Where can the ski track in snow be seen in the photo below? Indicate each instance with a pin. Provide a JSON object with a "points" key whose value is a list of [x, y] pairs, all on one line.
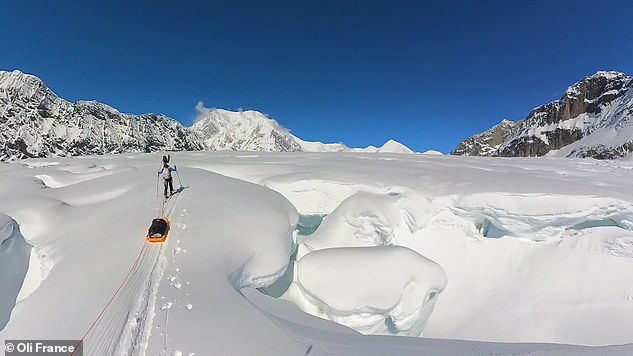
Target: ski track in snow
{"points": [[176, 296], [123, 327]]}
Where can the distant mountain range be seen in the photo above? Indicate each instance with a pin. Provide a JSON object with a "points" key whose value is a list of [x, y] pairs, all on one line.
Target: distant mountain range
{"points": [[594, 118], [35, 122]]}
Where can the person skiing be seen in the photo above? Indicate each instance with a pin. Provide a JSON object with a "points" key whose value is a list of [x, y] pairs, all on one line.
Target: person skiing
{"points": [[167, 177], [166, 159]]}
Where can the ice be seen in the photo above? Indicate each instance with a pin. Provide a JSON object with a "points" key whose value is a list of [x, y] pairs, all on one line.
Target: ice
{"points": [[14, 262], [308, 224]]}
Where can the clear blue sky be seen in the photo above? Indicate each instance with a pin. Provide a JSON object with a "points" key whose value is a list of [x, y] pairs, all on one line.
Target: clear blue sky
{"points": [[425, 73]]}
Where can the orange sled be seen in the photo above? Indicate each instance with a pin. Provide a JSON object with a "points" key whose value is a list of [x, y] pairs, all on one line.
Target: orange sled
{"points": [[158, 230]]}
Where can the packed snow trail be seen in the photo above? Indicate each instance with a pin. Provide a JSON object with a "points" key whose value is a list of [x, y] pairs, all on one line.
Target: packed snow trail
{"points": [[119, 328], [124, 325]]}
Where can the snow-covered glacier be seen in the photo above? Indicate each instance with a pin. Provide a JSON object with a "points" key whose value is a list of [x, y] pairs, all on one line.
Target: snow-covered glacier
{"points": [[533, 253]]}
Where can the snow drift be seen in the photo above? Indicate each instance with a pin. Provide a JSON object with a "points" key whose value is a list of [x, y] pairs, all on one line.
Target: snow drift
{"points": [[375, 290]]}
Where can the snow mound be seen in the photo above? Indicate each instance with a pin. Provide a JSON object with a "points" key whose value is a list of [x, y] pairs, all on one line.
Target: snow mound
{"points": [[432, 153], [375, 290], [14, 262], [349, 272], [368, 219]]}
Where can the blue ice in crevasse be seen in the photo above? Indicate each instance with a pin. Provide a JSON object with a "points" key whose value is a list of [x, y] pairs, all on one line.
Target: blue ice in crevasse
{"points": [[308, 224], [595, 223], [488, 229]]}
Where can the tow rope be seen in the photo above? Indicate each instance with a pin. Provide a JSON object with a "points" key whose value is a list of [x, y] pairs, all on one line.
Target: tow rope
{"points": [[165, 210]]}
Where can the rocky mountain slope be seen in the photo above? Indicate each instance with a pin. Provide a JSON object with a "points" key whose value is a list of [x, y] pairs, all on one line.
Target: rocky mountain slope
{"points": [[485, 143], [35, 122], [592, 119]]}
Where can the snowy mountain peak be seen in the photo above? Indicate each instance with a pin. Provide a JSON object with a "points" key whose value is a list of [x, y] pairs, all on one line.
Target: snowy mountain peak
{"points": [[242, 130], [16, 78], [592, 119], [16, 86], [599, 83], [35, 122], [251, 130], [609, 74], [393, 146]]}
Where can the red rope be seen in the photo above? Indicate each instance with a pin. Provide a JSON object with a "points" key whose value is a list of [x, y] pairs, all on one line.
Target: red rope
{"points": [[138, 258], [120, 286]]}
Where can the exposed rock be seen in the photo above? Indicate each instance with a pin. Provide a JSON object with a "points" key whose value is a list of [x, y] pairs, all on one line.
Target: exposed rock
{"points": [[37, 123], [484, 143], [582, 116]]}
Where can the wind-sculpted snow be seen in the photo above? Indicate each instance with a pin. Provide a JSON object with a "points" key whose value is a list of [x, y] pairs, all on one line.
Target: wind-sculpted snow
{"points": [[367, 219], [375, 290], [14, 262], [233, 223], [384, 296], [490, 265]]}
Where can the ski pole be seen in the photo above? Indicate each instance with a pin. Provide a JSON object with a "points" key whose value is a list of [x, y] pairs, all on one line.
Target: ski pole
{"points": [[179, 180], [157, 176]]}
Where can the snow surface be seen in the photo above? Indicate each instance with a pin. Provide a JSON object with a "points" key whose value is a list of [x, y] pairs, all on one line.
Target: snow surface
{"points": [[534, 253]]}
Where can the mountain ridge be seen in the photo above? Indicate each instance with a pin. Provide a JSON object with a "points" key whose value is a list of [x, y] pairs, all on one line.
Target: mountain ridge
{"points": [[593, 118], [35, 122]]}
